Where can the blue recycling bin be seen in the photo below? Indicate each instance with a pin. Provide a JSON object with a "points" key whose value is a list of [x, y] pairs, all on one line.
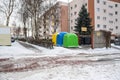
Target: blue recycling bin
{"points": [[60, 37]]}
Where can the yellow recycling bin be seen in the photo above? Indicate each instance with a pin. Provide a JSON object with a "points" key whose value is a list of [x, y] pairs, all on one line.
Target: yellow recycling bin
{"points": [[54, 36]]}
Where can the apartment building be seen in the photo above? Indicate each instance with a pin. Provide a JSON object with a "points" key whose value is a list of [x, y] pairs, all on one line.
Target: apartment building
{"points": [[105, 14], [55, 19]]}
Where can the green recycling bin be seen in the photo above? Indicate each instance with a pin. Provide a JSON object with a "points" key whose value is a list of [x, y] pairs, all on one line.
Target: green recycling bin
{"points": [[70, 40]]}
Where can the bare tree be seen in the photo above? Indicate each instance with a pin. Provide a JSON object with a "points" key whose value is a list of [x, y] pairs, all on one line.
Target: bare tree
{"points": [[34, 8], [31, 9], [7, 7], [24, 19], [24, 16], [18, 30]]}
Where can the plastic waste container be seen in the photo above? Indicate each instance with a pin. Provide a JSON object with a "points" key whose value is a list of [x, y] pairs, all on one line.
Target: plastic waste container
{"points": [[54, 38], [70, 40], [60, 38]]}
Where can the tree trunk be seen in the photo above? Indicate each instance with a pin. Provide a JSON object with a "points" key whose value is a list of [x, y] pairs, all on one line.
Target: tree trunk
{"points": [[7, 21], [32, 27], [25, 31], [36, 26], [28, 28], [36, 31]]}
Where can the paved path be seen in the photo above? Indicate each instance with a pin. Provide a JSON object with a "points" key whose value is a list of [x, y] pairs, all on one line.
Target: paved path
{"points": [[28, 46], [115, 47]]}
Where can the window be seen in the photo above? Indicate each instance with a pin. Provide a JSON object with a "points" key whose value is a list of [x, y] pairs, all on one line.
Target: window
{"points": [[104, 10], [75, 13], [98, 25], [44, 32], [98, 9], [47, 29], [104, 26], [111, 14], [116, 12], [116, 27], [110, 6], [111, 29], [75, 5], [85, 4], [116, 20], [71, 8], [104, 18], [116, 5], [110, 21], [98, 17], [104, 2], [75, 19], [71, 21], [71, 14], [71, 28], [98, 1]]}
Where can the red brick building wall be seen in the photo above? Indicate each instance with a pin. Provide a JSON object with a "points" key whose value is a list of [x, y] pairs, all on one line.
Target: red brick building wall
{"points": [[64, 18]]}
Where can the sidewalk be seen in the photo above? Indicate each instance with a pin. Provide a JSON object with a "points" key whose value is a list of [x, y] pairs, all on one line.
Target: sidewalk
{"points": [[28, 46], [115, 46]]}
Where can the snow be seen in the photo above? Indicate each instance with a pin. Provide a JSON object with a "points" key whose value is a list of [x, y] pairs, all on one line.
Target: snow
{"points": [[102, 51], [76, 72], [74, 51], [115, 46], [14, 50], [17, 50], [92, 71]]}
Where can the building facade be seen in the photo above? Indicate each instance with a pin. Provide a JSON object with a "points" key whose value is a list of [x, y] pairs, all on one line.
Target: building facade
{"points": [[55, 19], [105, 14]]}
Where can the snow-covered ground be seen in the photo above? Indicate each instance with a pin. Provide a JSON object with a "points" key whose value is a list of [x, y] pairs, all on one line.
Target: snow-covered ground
{"points": [[60, 63], [79, 73], [75, 72], [117, 46], [61, 50], [16, 50]]}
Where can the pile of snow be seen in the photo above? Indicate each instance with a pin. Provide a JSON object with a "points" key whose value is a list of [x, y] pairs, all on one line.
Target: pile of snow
{"points": [[14, 50]]}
